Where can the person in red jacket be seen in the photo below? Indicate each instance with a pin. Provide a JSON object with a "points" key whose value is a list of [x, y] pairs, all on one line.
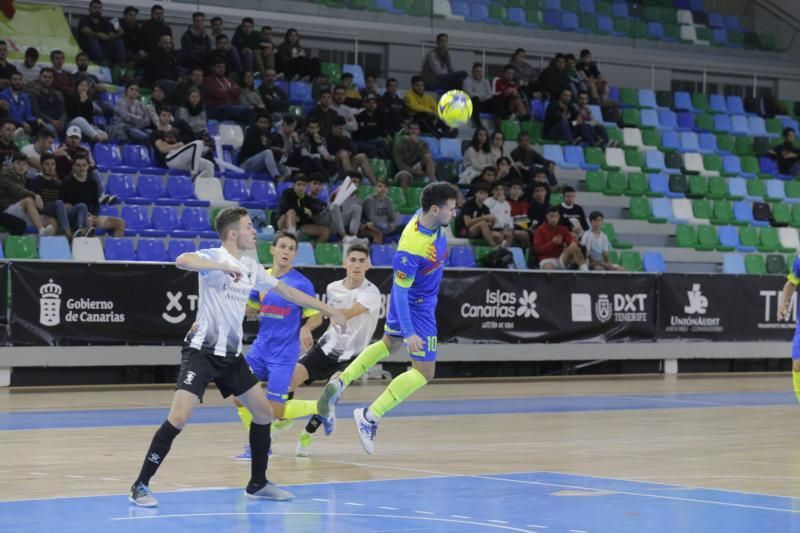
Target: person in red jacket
{"points": [[222, 96], [555, 246]]}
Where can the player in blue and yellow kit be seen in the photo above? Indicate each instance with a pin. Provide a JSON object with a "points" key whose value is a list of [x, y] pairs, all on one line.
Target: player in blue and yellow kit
{"points": [[281, 333], [411, 318], [784, 313]]}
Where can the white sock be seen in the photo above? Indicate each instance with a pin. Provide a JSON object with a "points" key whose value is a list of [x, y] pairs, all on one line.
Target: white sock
{"points": [[370, 416]]}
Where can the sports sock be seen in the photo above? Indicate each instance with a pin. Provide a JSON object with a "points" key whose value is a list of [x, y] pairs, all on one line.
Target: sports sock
{"points": [[299, 408], [398, 390], [365, 360], [796, 381], [313, 424], [159, 447], [245, 416], [260, 441]]}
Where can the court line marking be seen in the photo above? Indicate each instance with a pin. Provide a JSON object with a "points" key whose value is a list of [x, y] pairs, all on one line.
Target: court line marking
{"points": [[430, 513], [536, 526], [196, 515], [690, 402]]}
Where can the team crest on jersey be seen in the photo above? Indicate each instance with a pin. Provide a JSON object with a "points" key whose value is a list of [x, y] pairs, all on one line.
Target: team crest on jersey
{"points": [[401, 275], [404, 260]]}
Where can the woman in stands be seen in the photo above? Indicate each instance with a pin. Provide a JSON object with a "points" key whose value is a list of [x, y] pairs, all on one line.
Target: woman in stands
{"points": [[80, 112], [293, 60], [193, 113], [250, 96], [477, 157], [131, 120]]}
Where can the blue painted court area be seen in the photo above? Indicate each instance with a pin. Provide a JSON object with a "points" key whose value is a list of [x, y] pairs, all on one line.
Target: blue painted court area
{"points": [[538, 404], [535, 501]]}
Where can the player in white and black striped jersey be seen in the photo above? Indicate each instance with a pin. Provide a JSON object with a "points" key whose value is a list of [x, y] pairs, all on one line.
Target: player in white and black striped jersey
{"points": [[212, 350]]}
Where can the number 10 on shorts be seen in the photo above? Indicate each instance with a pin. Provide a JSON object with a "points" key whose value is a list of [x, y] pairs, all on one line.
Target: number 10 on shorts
{"points": [[432, 342]]}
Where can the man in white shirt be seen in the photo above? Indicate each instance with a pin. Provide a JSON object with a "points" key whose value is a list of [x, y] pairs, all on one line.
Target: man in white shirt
{"points": [[480, 90], [212, 350], [360, 302]]}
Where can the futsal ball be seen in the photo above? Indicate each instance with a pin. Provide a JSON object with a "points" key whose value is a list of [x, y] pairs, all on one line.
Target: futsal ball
{"points": [[455, 108]]}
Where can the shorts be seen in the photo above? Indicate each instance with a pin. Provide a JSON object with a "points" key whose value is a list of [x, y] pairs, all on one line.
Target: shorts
{"points": [[558, 262], [321, 366], [424, 323], [796, 344], [278, 376], [200, 367], [16, 210]]}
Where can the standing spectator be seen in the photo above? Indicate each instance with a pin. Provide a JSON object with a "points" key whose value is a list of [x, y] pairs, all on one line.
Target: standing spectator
{"points": [[477, 157], [154, 28], [294, 61], [561, 120], [248, 43], [19, 105], [595, 133], [393, 106], [315, 158], [256, 155], [81, 188], [524, 74], [437, 69], [47, 103], [48, 187], [370, 87], [352, 96], [62, 80], [553, 80], [172, 153], [29, 67], [275, 100], [100, 38], [372, 130], [555, 246], [480, 90], [539, 205], [476, 221], [250, 96], [131, 120], [6, 68], [412, 157], [133, 37], [528, 160], [519, 207], [509, 101], [597, 245], [294, 212], [18, 201], [500, 209], [193, 112], [348, 157], [380, 212], [162, 66], [181, 91], [572, 215], [7, 145], [324, 114], [195, 43], [43, 144], [222, 96], [598, 86], [786, 154], [422, 108]]}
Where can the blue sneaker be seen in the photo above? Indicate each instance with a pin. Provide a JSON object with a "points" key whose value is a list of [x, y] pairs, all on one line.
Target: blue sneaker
{"points": [[247, 455], [330, 397], [329, 423], [142, 496], [366, 430]]}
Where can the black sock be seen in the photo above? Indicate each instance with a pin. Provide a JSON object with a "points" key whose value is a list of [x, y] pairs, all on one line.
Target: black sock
{"points": [[260, 441], [159, 448], [290, 395], [314, 424]]}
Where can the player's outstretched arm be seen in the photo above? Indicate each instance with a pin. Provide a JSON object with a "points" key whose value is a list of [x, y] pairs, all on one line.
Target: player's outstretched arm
{"points": [[197, 263], [786, 298], [304, 300]]}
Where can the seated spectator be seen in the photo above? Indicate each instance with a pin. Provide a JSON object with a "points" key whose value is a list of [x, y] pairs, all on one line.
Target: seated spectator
{"points": [[100, 37], [553, 80], [41, 145], [524, 74], [315, 157], [476, 221], [576, 82], [372, 130], [488, 177], [162, 66], [222, 96], [598, 86], [509, 101], [248, 43], [539, 205], [193, 113], [571, 214], [393, 106], [80, 112], [55, 213], [171, 152], [343, 110], [62, 80], [181, 91], [66, 154], [422, 108], [595, 133], [158, 101], [81, 188], [412, 157], [500, 209], [266, 56], [132, 37], [256, 155], [154, 28], [6, 68], [556, 247], [528, 160], [20, 109], [294, 212], [250, 96], [437, 69], [48, 103], [348, 157], [480, 90], [345, 214], [195, 43], [786, 154], [370, 87], [275, 99], [597, 245], [95, 87], [216, 27], [29, 68], [498, 145], [324, 114], [7, 145], [17, 200], [352, 96], [293, 61], [266, 34], [380, 212], [507, 172], [287, 147], [561, 120], [519, 207], [224, 49], [477, 157], [131, 120]]}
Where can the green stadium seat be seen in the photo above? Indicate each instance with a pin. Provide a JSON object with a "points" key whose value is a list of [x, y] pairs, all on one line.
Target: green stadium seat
{"points": [[701, 208], [717, 187], [631, 261], [795, 223], [328, 253], [761, 145], [365, 190], [782, 214], [556, 199], [594, 155], [775, 264], [398, 197], [754, 264], [614, 134], [412, 198], [712, 163], [631, 118], [774, 126], [743, 146], [617, 183], [704, 122], [332, 71], [379, 167], [792, 189], [770, 242], [637, 184], [481, 252], [264, 253], [723, 213], [726, 142], [685, 236], [510, 129], [629, 97], [634, 158], [756, 188], [750, 166], [651, 137], [640, 208], [595, 181], [20, 247], [698, 187], [700, 101], [611, 232]]}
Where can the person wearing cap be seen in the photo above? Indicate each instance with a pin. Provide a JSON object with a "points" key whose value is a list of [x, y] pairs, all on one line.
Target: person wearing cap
{"points": [[101, 37], [133, 36], [66, 154], [154, 28], [372, 129], [17, 200], [29, 68]]}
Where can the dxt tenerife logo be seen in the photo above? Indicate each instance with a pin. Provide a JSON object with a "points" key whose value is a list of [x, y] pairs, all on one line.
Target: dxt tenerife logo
{"points": [[694, 319], [502, 304], [175, 312], [619, 307], [77, 309]]}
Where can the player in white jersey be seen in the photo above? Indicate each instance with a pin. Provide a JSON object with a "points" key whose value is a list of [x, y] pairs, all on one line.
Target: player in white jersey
{"points": [[360, 302], [212, 350]]}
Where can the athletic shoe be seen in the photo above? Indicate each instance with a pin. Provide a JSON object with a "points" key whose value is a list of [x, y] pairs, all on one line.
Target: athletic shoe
{"points": [[47, 231], [279, 426], [329, 423], [303, 448], [330, 397], [366, 430], [141, 496], [270, 491], [247, 455]]}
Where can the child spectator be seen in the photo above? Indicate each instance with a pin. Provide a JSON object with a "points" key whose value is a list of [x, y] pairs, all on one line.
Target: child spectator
{"points": [[597, 245], [555, 246]]}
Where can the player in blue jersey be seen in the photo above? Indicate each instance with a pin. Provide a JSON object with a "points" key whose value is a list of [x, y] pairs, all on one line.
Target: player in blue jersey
{"points": [[784, 313], [282, 337], [411, 318]]}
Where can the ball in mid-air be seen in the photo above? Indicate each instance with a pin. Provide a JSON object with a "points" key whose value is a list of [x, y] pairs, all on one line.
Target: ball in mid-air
{"points": [[455, 108]]}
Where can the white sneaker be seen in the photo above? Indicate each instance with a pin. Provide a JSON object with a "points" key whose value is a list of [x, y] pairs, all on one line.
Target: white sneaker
{"points": [[584, 268], [270, 491], [366, 430], [47, 231], [303, 448]]}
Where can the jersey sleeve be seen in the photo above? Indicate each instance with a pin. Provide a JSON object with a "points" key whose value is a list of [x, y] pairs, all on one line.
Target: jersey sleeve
{"points": [[307, 287], [405, 266], [264, 280], [370, 299], [794, 275]]}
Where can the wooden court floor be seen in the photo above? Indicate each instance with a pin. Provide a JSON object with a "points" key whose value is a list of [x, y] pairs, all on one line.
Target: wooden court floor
{"points": [[699, 443]]}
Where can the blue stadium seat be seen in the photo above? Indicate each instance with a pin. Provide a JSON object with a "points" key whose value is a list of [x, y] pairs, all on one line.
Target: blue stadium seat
{"points": [[381, 255], [451, 149], [433, 145], [737, 187], [107, 156], [136, 156], [685, 121], [654, 161], [654, 262], [647, 98], [722, 123], [655, 30], [282, 186], [462, 257], [775, 189], [605, 26], [715, 20], [263, 192], [119, 249], [735, 105], [177, 247], [305, 255], [662, 208], [767, 165], [235, 190], [150, 187], [683, 101], [539, 108], [689, 142], [519, 258], [620, 9], [658, 184], [554, 153], [739, 125], [181, 188], [54, 248], [649, 118], [728, 236], [151, 250], [667, 119], [300, 93], [697, 5], [670, 140], [121, 185], [164, 219], [358, 74], [209, 243], [212, 126], [109, 211], [195, 220], [478, 12], [719, 37], [708, 143], [733, 23], [388, 6], [136, 219], [743, 211], [569, 21], [731, 164], [717, 104], [552, 18], [733, 264], [517, 16], [573, 157], [586, 6], [757, 127]]}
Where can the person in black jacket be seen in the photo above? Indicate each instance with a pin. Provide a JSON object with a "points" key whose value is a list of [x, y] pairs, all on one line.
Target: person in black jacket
{"points": [[372, 128], [256, 154], [161, 66], [393, 107], [275, 100], [196, 45], [560, 118]]}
